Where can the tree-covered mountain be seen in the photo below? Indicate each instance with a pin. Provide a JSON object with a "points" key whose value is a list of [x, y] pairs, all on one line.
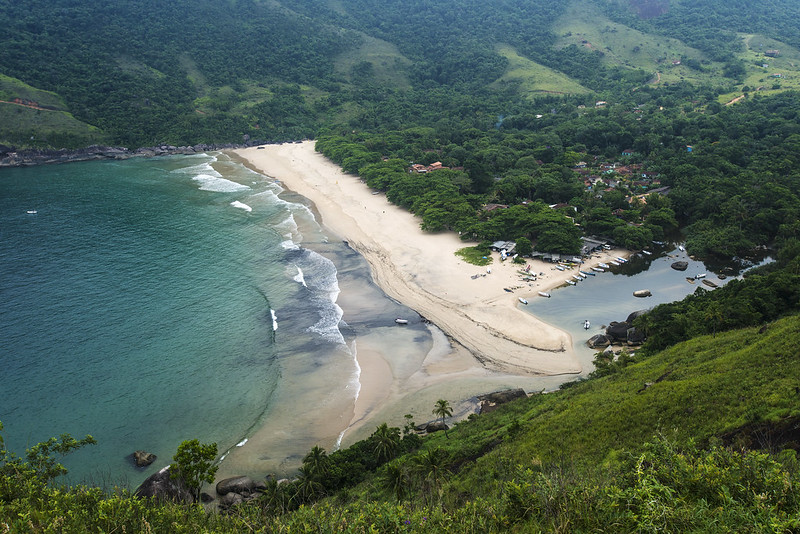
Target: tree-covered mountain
{"points": [[145, 73]]}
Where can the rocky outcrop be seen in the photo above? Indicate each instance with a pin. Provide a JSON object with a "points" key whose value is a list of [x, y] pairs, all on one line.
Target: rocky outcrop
{"points": [[143, 458], [433, 426], [618, 331], [491, 401], [163, 487], [33, 156], [242, 485], [680, 265], [599, 341], [634, 315]]}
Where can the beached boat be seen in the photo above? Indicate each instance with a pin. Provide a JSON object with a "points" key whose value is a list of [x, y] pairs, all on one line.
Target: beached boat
{"points": [[681, 248], [560, 267], [401, 321], [581, 275], [614, 263], [543, 294], [571, 282], [522, 300], [586, 324], [586, 273], [598, 269], [621, 260], [577, 278], [647, 252], [603, 265], [710, 284]]}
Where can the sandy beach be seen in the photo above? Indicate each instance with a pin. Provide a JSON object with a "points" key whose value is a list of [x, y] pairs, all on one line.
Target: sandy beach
{"points": [[484, 338]]}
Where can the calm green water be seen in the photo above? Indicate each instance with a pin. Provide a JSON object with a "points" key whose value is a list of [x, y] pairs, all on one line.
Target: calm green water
{"points": [[151, 301]]}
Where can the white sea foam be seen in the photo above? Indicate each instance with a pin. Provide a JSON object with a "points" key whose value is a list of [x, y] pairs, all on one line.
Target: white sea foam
{"points": [[241, 205], [217, 184], [299, 278], [241, 443], [324, 285], [274, 320], [355, 383]]}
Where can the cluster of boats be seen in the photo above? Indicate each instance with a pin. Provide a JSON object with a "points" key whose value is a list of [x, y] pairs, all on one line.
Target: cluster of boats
{"points": [[600, 268]]}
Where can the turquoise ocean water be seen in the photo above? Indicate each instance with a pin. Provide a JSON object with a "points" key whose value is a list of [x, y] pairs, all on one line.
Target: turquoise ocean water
{"points": [[149, 301]]}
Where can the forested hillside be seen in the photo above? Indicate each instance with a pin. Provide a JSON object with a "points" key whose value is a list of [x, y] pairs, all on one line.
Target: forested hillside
{"points": [[210, 71]]}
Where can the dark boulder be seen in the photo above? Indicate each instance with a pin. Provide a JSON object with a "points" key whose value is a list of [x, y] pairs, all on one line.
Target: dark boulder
{"points": [[618, 331], [230, 500], [680, 265], [635, 337], [634, 315], [143, 458], [599, 340], [242, 485], [435, 426], [490, 401], [163, 487]]}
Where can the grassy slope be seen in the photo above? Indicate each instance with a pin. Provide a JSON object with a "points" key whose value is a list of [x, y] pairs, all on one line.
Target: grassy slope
{"points": [[19, 123], [388, 64], [534, 79], [584, 22], [709, 386], [760, 79]]}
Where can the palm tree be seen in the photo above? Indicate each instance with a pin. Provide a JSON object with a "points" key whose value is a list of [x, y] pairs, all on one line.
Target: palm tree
{"points": [[396, 480], [431, 466], [443, 410], [316, 461], [387, 441]]}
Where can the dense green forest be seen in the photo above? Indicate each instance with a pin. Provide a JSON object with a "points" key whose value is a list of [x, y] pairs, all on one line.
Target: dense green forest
{"points": [[637, 121]]}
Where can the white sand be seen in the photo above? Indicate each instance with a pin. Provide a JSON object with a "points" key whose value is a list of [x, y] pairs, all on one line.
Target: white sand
{"points": [[491, 344]]}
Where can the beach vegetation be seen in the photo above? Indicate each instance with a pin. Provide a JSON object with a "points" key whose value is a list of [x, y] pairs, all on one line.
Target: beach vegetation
{"points": [[443, 410], [195, 464], [480, 255]]}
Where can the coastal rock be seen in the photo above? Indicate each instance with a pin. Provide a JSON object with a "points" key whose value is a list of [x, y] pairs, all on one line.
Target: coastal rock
{"points": [[143, 458], [435, 426], [242, 485], [490, 401], [599, 340], [634, 315], [635, 337], [680, 265], [618, 331], [230, 500], [163, 487]]}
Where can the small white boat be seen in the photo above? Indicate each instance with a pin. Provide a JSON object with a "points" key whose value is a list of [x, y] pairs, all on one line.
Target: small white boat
{"points": [[603, 265], [577, 278], [560, 267], [642, 293], [522, 300], [543, 294], [621, 260], [586, 273], [586, 324], [699, 276], [614, 263], [32, 212], [401, 321], [646, 252], [681, 248], [598, 269], [570, 282]]}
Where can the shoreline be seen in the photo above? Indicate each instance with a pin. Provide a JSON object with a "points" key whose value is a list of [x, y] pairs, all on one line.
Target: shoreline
{"points": [[483, 340]]}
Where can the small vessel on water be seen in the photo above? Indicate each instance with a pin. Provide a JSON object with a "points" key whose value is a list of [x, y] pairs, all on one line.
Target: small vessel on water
{"points": [[401, 321], [586, 324], [699, 276], [522, 300], [544, 294], [32, 212], [710, 284], [642, 293]]}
